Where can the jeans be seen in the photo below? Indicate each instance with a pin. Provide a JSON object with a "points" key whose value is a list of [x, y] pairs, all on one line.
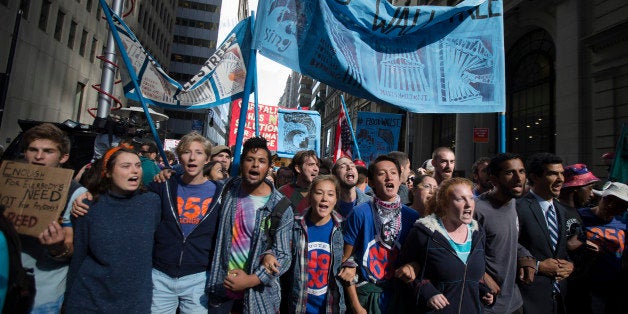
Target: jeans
{"points": [[48, 308], [187, 293]]}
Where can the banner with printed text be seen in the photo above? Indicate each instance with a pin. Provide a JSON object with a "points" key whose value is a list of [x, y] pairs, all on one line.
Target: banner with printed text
{"points": [[424, 59], [220, 79], [267, 122], [377, 133], [298, 130]]}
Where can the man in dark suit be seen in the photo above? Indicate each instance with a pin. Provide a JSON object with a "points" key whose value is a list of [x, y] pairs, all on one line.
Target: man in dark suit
{"points": [[542, 230]]}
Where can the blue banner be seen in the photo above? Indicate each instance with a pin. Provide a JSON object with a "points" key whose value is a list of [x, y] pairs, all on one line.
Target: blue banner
{"points": [[424, 59], [221, 78], [377, 133], [298, 130]]}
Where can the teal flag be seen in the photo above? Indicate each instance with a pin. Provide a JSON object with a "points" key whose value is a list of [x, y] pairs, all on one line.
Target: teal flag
{"points": [[219, 80], [619, 170], [424, 59]]}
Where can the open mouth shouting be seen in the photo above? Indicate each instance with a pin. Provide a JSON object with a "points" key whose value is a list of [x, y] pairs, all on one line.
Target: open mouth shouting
{"points": [[134, 181], [350, 178], [390, 188], [253, 175]]}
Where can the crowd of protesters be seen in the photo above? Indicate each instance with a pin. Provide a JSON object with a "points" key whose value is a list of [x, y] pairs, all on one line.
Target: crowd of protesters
{"points": [[523, 236]]}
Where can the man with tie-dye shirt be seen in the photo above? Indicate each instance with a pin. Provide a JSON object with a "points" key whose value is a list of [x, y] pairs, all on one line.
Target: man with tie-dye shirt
{"points": [[238, 282]]}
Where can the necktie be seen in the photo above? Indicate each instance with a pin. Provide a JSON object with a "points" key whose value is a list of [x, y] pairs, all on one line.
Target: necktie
{"points": [[552, 224]]}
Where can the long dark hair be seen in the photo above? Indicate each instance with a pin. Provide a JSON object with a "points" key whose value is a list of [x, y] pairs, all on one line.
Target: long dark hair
{"points": [[104, 184]]}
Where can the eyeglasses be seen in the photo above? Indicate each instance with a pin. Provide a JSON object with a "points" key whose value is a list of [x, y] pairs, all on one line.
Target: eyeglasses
{"points": [[410, 179]]}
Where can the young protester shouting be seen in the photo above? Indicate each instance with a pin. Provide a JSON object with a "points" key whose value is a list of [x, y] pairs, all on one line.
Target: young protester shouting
{"points": [[448, 246], [312, 284], [185, 237], [256, 219], [110, 270], [375, 232]]}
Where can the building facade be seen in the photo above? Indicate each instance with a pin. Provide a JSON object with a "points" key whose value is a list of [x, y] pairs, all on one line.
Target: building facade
{"points": [[55, 61], [194, 41]]}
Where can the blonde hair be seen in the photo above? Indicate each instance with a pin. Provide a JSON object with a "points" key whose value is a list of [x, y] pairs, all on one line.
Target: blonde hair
{"points": [[439, 203], [187, 140]]}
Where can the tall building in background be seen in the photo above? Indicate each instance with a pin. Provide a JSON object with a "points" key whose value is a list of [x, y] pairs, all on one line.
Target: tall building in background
{"points": [[194, 41], [55, 60]]}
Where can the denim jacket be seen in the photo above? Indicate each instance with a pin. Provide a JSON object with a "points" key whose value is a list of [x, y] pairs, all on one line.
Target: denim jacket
{"points": [[264, 298], [299, 274]]}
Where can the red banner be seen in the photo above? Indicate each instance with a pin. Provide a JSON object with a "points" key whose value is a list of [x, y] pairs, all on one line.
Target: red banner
{"points": [[267, 123]]}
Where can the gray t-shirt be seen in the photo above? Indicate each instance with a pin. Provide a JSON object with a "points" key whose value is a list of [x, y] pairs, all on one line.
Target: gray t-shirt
{"points": [[501, 227]]}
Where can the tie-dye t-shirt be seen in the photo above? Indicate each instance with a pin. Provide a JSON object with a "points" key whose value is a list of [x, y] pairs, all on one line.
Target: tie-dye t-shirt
{"points": [[242, 232]]}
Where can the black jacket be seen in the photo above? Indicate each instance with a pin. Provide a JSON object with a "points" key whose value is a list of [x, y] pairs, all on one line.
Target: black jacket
{"points": [[441, 269], [173, 254], [534, 236]]}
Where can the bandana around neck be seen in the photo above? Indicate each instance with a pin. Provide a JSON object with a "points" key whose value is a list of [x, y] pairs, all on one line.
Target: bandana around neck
{"points": [[390, 219]]}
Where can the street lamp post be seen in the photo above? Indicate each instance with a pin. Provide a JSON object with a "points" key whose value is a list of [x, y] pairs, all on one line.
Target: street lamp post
{"points": [[7, 75], [108, 74]]}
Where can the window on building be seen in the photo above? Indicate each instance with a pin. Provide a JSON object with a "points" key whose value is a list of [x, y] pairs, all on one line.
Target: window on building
{"points": [[444, 130], [78, 100], [25, 6], [530, 94], [83, 43], [72, 34], [43, 15], [92, 52], [59, 25], [88, 6]]}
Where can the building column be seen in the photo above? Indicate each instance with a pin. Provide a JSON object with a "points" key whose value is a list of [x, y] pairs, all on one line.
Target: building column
{"points": [[465, 149], [568, 87]]}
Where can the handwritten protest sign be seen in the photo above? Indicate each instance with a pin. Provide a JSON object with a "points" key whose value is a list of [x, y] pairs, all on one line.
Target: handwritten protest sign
{"points": [[33, 195]]}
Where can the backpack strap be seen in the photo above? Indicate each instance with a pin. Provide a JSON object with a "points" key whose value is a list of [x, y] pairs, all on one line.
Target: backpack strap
{"points": [[275, 218]]}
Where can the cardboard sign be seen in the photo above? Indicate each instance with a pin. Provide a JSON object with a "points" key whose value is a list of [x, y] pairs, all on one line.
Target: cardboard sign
{"points": [[34, 196]]}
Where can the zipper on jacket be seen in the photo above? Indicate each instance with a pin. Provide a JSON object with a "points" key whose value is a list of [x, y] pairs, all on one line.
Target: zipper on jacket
{"points": [[464, 283], [182, 249], [185, 237], [174, 214]]}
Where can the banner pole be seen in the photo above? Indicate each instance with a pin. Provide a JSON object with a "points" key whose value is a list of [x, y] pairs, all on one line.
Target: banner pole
{"points": [[355, 141], [133, 76], [250, 75], [255, 88], [502, 132]]}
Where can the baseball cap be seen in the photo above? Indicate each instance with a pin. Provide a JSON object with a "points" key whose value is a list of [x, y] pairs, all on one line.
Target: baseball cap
{"points": [[359, 163], [616, 189], [578, 175], [219, 149]]}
